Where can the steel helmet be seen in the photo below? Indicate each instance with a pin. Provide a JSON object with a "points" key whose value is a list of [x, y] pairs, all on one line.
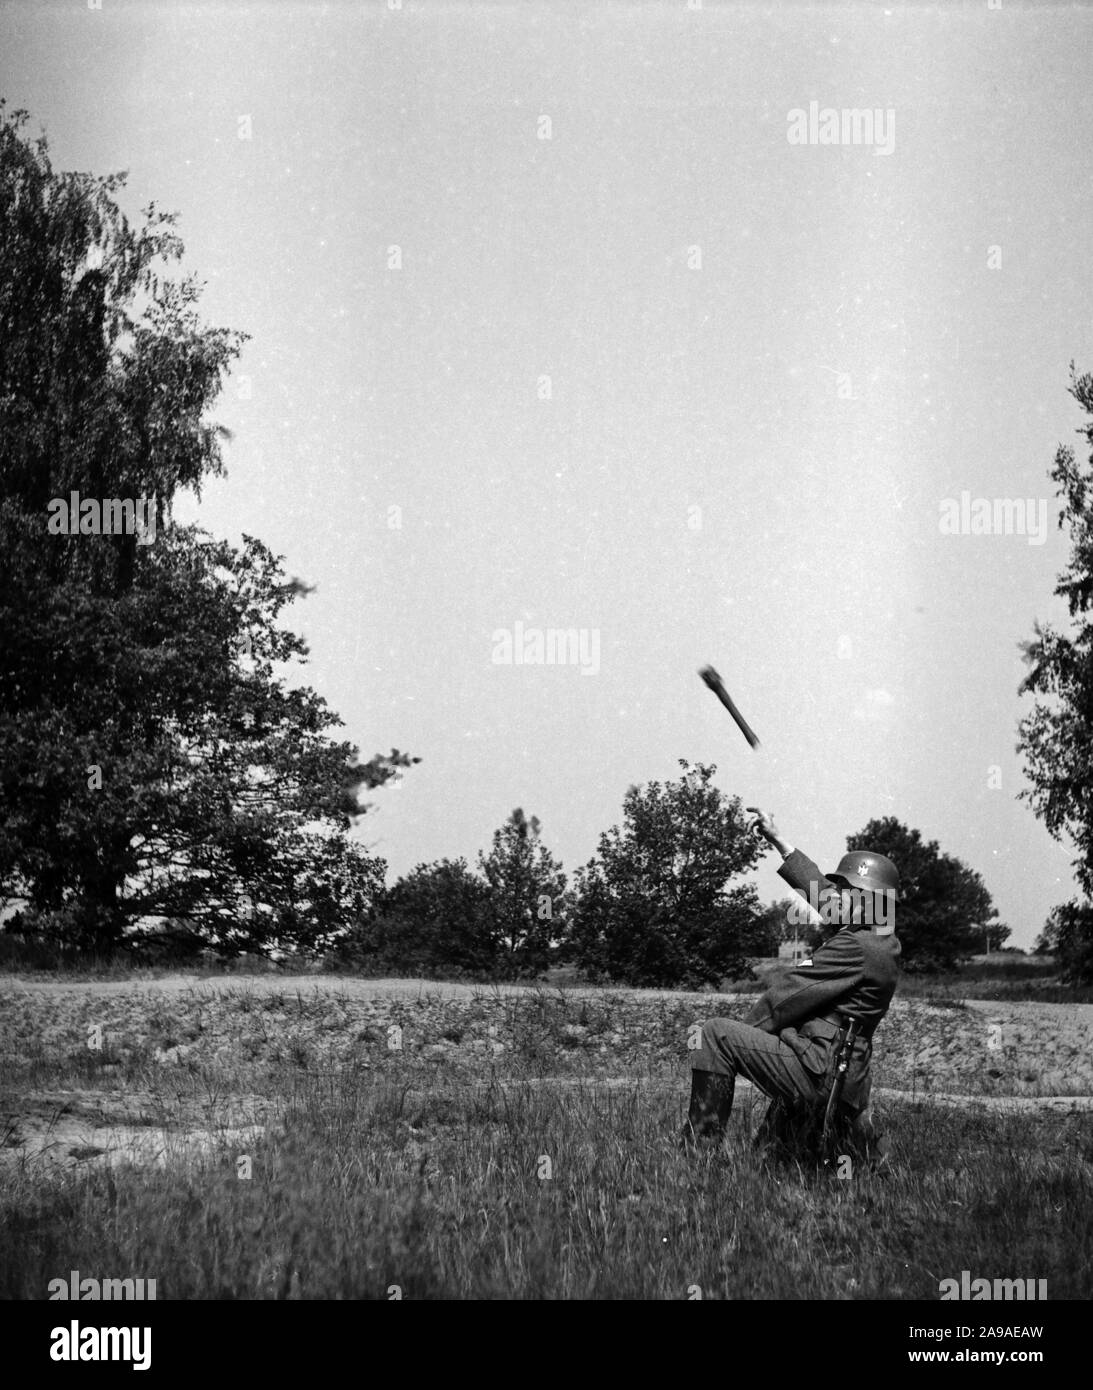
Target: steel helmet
{"points": [[862, 868]]}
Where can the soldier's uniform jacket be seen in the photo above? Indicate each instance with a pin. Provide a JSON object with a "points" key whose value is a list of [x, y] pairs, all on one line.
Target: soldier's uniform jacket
{"points": [[852, 975]]}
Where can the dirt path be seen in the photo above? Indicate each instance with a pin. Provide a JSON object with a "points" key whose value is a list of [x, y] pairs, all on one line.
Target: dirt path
{"points": [[997, 1104]]}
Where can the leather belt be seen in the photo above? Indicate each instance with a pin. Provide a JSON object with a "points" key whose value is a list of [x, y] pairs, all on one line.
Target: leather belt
{"points": [[840, 1021]]}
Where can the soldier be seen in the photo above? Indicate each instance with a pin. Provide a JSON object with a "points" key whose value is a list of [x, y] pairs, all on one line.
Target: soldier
{"points": [[788, 1044]]}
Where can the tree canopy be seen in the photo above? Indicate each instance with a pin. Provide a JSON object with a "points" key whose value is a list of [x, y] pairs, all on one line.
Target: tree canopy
{"points": [[154, 761], [1056, 736], [943, 905], [528, 899], [655, 905]]}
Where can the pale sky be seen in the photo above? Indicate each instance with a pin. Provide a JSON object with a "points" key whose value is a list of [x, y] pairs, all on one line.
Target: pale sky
{"points": [[769, 365]]}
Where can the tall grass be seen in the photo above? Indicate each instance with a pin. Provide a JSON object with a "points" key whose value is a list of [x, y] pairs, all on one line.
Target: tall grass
{"points": [[411, 1184]]}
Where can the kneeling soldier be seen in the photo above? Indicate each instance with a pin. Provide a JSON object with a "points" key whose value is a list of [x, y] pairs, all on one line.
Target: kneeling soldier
{"points": [[789, 1044]]}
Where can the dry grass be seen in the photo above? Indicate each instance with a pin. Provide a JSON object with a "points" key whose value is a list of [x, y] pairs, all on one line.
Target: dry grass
{"points": [[514, 1145]]}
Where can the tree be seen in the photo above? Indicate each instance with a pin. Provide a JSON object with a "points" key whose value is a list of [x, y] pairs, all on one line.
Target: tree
{"points": [[527, 894], [770, 925], [173, 774], [654, 906], [1056, 736], [1068, 936], [435, 920], [153, 761], [314, 888], [944, 907], [1047, 940]]}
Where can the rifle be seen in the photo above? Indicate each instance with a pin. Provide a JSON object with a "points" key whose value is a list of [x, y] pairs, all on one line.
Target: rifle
{"points": [[843, 1052]]}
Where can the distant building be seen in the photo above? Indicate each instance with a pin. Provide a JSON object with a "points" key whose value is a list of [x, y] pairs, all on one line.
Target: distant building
{"points": [[793, 951]]}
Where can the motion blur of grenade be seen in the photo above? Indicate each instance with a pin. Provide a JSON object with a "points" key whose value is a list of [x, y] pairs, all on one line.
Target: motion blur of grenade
{"points": [[831, 1004]]}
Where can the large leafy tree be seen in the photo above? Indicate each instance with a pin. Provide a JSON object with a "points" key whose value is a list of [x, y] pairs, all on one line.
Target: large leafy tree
{"points": [[528, 900], [1056, 737], [944, 907], [106, 372], [153, 759], [655, 905], [435, 920]]}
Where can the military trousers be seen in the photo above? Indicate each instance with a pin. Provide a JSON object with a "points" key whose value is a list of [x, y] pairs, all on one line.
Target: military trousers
{"points": [[737, 1049]]}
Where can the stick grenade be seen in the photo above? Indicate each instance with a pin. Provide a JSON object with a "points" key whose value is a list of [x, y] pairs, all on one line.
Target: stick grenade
{"points": [[713, 680]]}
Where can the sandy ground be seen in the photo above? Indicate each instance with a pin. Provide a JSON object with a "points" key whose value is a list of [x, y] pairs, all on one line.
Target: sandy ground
{"points": [[308, 984], [67, 1129], [59, 1130], [274, 983], [998, 1104]]}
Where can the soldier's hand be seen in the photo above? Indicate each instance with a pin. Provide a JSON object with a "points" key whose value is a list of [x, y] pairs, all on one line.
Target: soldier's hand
{"points": [[762, 824]]}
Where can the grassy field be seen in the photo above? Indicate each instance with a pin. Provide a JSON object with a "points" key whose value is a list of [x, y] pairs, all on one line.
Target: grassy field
{"points": [[408, 1186], [500, 1145]]}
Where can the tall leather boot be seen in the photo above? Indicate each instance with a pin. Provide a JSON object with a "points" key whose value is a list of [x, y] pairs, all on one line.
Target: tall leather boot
{"points": [[711, 1104]]}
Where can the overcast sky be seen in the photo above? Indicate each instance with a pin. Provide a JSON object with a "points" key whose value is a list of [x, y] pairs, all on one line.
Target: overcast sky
{"points": [[665, 361]]}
